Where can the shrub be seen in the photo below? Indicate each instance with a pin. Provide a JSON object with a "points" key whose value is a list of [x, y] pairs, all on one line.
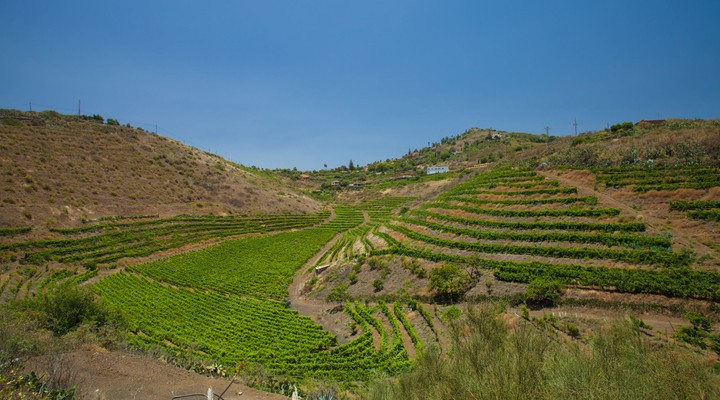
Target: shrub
{"points": [[448, 280], [378, 284], [451, 314], [67, 306], [488, 357], [544, 292], [338, 293], [111, 121], [572, 330]]}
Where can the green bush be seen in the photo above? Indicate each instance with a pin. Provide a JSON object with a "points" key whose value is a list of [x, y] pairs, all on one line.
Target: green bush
{"points": [[67, 306], [378, 284], [486, 358], [544, 292], [338, 293], [449, 281]]}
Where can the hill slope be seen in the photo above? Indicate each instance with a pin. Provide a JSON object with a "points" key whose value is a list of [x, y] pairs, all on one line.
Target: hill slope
{"points": [[58, 170]]}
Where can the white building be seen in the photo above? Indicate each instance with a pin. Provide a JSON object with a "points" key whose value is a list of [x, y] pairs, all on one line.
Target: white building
{"points": [[437, 170]]}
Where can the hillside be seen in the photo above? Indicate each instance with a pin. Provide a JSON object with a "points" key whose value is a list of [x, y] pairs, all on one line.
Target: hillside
{"points": [[522, 242], [59, 170]]}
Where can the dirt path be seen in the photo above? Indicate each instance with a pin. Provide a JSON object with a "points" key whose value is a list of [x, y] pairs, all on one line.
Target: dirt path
{"points": [[664, 325], [116, 375], [318, 310]]}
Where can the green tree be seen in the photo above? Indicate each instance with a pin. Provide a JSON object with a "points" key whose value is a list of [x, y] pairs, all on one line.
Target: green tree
{"points": [[351, 166]]}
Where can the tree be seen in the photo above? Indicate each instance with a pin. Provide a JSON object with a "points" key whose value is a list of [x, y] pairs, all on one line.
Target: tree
{"points": [[448, 280], [351, 166]]}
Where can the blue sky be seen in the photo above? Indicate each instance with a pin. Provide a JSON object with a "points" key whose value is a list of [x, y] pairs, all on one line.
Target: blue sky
{"points": [[305, 83]]}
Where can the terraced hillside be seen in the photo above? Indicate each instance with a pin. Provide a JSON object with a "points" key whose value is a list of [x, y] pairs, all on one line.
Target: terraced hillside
{"points": [[223, 303], [511, 227], [523, 227], [60, 170]]}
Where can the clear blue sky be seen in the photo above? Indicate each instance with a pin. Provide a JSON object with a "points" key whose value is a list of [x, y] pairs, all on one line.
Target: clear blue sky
{"points": [[302, 83]]}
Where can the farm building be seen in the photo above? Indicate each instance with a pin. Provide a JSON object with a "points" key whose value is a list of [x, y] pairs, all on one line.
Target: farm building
{"points": [[437, 170]]}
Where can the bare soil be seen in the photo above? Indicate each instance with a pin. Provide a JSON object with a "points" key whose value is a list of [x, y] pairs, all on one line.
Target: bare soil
{"points": [[117, 375], [57, 171]]}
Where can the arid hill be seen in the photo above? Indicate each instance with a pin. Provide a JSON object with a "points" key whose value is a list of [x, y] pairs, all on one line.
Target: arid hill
{"points": [[60, 170]]}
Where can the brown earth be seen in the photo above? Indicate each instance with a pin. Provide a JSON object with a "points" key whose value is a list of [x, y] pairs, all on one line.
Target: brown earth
{"points": [[652, 208], [58, 170], [103, 375]]}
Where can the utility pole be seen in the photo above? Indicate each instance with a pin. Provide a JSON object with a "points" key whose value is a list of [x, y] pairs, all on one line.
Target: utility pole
{"points": [[547, 134], [78, 108], [575, 125], [156, 129]]}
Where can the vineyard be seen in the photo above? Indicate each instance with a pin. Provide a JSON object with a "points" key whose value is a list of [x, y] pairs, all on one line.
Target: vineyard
{"points": [[79, 252], [705, 210], [536, 231], [659, 178], [356, 241], [226, 302]]}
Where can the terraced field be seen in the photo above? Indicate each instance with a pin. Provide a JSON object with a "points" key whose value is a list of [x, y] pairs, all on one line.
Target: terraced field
{"points": [[81, 251], [659, 178], [524, 227], [356, 241], [223, 301]]}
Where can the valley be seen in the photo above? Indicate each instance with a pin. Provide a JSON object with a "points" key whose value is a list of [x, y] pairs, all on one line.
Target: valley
{"points": [[283, 281]]}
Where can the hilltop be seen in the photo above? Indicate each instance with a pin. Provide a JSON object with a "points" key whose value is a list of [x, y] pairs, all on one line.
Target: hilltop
{"points": [[59, 170]]}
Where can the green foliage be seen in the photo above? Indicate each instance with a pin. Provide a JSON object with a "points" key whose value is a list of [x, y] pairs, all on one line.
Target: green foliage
{"points": [[572, 330], [449, 281], [632, 241], [66, 306], [115, 240], [487, 359], [544, 292], [378, 284], [675, 282], [624, 127], [111, 121], [661, 178], [338, 293], [502, 212], [699, 321], [218, 268], [653, 257], [564, 225], [15, 231], [451, 313]]}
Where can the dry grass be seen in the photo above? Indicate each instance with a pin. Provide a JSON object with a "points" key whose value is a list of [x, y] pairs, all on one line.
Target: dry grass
{"points": [[58, 170]]}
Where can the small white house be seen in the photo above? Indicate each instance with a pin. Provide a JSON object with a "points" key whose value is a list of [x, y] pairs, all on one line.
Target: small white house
{"points": [[437, 170]]}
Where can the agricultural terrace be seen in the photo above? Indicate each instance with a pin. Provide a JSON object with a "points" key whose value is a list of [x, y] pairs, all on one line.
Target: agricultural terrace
{"points": [[702, 209], [357, 241], [522, 227], [77, 253], [658, 178], [223, 302]]}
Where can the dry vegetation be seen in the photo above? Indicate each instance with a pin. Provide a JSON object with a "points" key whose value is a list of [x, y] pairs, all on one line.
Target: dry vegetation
{"points": [[58, 170]]}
